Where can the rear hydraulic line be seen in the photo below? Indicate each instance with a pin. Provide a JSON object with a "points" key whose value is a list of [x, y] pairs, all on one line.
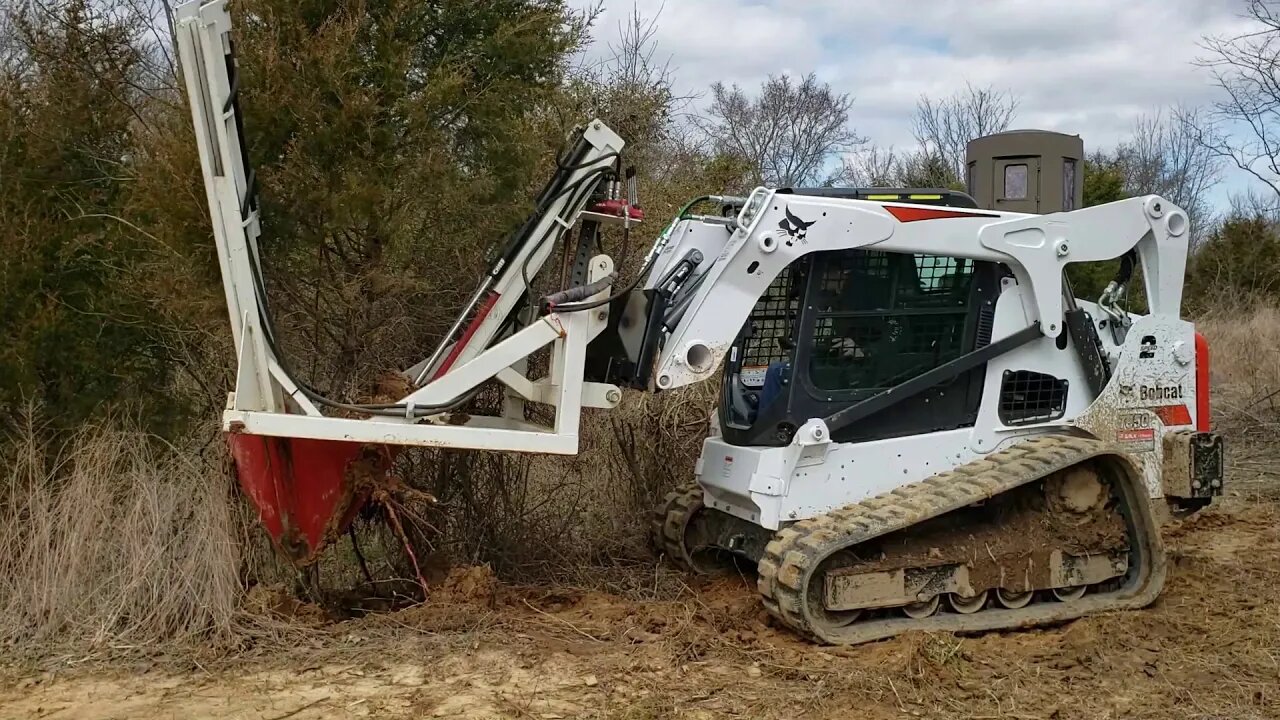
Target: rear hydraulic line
{"points": [[659, 298], [510, 250]]}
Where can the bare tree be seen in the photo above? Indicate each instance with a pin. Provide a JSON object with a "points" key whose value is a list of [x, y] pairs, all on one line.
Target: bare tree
{"points": [[925, 168], [1165, 157], [872, 166], [943, 128], [12, 55], [144, 27], [1250, 203], [884, 167], [631, 62], [158, 35], [1244, 67], [790, 134], [631, 88]]}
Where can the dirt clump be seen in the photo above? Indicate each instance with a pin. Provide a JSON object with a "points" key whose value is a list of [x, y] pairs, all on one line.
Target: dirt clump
{"points": [[276, 602], [474, 584], [389, 387]]}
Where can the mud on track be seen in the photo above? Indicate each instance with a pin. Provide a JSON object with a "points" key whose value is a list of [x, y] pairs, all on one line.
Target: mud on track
{"points": [[1210, 648]]}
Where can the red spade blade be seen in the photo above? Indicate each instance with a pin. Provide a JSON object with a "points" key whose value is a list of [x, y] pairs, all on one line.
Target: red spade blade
{"points": [[306, 491]]}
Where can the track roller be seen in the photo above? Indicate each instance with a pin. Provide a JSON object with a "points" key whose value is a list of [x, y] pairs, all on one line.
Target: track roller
{"points": [[1014, 600], [967, 605], [1070, 594], [922, 609]]}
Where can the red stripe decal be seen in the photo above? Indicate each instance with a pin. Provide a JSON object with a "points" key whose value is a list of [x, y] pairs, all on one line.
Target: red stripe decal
{"points": [[913, 214], [1172, 415]]}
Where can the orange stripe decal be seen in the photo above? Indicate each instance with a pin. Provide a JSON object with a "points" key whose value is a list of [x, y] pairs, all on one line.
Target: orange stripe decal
{"points": [[1172, 415], [915, 214]]}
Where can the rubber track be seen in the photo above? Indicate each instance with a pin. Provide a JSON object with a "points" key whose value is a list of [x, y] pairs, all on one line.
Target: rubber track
{"points": [[796, 551]]}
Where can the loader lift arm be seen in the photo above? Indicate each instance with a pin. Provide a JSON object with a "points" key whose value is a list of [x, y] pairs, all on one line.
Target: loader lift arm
{"points": [[744, 259]]}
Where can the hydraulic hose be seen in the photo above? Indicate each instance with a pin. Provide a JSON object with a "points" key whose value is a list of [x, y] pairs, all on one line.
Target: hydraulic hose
{"points": [[644, 270]]}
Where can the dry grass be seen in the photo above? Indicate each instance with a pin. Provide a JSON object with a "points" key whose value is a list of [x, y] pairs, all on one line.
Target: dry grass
{"points": [[1207, 649], [119, 541], [569, 520], [116, 541], [1245, 365], [112, 540], [1244, 339]]}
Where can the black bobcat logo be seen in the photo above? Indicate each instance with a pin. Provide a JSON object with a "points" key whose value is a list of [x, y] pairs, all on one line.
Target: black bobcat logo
{"points": [[794, 227]]}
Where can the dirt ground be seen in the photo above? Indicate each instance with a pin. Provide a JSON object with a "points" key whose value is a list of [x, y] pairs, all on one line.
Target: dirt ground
{"points": [[1210, 648]]}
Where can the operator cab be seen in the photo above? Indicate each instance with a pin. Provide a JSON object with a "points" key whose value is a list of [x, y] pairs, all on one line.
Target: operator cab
{"points": [[837, 327]]}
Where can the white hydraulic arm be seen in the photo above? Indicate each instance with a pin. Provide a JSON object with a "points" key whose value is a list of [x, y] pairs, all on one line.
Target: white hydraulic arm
{"points": [[204, 50], [268, 400], [504, 285]]}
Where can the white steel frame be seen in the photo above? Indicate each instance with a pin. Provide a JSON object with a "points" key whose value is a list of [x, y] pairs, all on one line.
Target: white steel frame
{"points": [[266, 401]]}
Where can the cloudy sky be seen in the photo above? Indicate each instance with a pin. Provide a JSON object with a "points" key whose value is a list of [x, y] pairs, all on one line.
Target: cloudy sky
{"points": [[1087, 67]]}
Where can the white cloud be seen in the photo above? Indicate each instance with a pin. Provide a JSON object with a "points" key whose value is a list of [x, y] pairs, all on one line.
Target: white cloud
{"points": [[716, 40], [1080, 66]]}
